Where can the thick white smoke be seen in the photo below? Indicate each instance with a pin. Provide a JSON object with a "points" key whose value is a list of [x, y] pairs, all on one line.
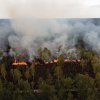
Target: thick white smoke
{"points": [[31, 34], [52, 33]]}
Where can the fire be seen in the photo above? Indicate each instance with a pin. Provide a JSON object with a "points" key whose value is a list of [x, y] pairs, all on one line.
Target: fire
{"points": [[65, 60], [55, 61], [19, 63], [51, 62], [71, 60], [46, 62]]}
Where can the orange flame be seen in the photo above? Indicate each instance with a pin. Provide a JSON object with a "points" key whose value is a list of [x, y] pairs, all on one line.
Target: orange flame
{"points": [[46, 62], [19, 63], [65, 60], [55, 61]]}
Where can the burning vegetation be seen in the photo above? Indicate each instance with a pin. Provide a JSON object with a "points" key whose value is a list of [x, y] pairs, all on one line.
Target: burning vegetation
{"points": [[48, 73], [19, 63], [68, 69]]}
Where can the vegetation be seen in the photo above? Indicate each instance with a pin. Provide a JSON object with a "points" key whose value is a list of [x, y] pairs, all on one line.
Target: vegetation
{"points": [[53, 83]]}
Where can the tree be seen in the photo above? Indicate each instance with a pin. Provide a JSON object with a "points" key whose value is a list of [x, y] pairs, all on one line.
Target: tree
{"points": [[54, 98], [96, 64], [84, 84], [40, 52], [83, 64], [27, 73], [60, 61], [1, 89], [58, 73], [49, 79], [32, 70], [3, 71], [59, 68], [70, 96], [68, 83], [46, 54], [1, 53], [23, 84], [16, 74], [97, 78]]}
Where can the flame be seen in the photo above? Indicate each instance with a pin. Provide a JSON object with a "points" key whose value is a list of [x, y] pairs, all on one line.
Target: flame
{"points": [[51, 62], [72, 60], [55, 60], [65, 60], [19, 63], [46, 62]]}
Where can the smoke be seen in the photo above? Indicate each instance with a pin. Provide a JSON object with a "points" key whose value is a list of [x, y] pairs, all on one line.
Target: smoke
{"points": [[49, 8], [5, 32], [31, 34], [24, 31]]}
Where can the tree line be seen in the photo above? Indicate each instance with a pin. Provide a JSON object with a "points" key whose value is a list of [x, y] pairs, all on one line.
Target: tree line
{"points": [[53, 83]]}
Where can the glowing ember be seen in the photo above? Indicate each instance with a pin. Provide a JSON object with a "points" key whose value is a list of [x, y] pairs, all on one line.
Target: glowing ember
{"points": [[51, 62], [72, 60], [65, 60], [55, 61], [78, 60], [46, 62]]}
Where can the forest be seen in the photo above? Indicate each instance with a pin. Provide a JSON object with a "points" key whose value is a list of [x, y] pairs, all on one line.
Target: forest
{"points": [[41, 79]]}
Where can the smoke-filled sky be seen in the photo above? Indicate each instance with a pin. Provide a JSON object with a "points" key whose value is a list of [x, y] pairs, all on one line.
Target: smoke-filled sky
{"points": [[49, 8], [34, 23], [51, 33]]}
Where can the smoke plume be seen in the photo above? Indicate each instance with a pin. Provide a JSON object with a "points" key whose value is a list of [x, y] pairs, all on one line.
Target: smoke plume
{"points": [[31, 34]]}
